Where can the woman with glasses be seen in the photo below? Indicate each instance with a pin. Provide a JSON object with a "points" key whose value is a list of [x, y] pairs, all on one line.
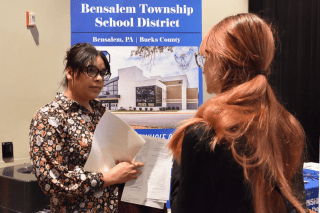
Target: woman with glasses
{"points": [[61, 134], [242, 151]]}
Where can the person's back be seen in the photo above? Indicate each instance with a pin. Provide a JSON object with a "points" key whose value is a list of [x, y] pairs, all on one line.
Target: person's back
{"points": [[218, 181], [255, 145]]}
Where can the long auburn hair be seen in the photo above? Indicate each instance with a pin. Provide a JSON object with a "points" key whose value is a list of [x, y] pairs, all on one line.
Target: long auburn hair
{"points": [[242, 45]]}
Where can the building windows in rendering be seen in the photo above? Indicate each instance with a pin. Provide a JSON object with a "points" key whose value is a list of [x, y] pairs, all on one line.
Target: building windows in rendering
{"points": [[136, 90], [158, 96], [148, 96], [111, 88], [109, 95]]}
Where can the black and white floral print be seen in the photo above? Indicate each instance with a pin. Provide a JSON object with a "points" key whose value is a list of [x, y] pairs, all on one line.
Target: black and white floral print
{"points": [[61, 136]]}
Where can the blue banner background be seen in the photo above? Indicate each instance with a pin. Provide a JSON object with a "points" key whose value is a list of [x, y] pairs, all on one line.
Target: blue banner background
{"points": [[134, 39], [189, 32], [85, 22]]}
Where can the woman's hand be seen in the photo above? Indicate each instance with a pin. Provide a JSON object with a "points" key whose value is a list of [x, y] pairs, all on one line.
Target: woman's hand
{"points": [[121, 173]]}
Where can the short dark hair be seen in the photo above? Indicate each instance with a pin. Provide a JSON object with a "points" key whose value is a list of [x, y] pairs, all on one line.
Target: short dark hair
{"points": [[79, 56]]}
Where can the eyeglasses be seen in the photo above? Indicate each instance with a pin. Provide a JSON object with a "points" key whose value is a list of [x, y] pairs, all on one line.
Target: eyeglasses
{"points": [[92, 71], [200, 60]]}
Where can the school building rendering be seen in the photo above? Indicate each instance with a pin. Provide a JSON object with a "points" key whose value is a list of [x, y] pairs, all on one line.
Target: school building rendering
{"points": [[131, 89]]}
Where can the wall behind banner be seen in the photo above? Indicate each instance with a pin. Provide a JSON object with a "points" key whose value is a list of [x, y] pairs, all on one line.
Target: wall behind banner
{"points": [[32, 61]]}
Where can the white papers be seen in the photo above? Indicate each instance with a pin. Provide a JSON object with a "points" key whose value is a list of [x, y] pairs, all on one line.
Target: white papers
{"points": [[152, 187], [113, 140]]}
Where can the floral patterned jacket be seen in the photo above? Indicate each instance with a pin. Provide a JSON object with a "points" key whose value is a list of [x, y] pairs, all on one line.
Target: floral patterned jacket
{"points": [[61, 134]]}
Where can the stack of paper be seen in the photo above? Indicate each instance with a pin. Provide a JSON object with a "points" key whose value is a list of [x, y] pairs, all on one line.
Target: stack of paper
{"points": [[115, 140], [152, 188]]}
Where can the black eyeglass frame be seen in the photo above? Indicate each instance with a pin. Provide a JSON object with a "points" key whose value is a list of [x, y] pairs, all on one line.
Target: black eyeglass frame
{"points": [[203, 59], [105, 77]]}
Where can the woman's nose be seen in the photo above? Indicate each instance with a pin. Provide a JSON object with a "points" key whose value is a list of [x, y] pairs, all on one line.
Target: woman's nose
{"points": [[99, 77]]}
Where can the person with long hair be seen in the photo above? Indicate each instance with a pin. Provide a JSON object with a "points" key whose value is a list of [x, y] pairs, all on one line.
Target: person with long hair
{"points": [[242, 151]]}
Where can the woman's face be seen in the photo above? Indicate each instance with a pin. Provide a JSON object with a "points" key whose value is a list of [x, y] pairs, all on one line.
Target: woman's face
{"points": [[86, 88], [210, 73]]}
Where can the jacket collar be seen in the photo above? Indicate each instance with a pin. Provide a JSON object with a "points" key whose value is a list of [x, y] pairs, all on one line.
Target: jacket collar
{"points": [[68, 104]]}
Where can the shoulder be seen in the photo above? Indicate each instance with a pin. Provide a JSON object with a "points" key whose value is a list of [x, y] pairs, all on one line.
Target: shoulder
{"points": [[50, 109], [51, 113], [198, 140], [198, 137], [200, 131]]}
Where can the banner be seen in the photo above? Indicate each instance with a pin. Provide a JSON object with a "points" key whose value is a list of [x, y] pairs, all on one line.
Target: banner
{"points": [[136, 23], [155, 82]]}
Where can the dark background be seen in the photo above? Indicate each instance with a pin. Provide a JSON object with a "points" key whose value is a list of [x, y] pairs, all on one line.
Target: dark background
{"points": [[296, 71]]}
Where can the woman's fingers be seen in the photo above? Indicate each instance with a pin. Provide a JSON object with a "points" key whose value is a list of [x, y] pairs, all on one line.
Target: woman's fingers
{"points": [[136, 172], [138, 164], [122, 172]]}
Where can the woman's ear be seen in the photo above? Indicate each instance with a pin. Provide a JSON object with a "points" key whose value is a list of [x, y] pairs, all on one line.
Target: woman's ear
{"points": [[69, 73]]}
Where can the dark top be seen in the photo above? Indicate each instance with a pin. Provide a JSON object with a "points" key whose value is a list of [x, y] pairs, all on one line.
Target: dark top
{"points": [[211, 181]]}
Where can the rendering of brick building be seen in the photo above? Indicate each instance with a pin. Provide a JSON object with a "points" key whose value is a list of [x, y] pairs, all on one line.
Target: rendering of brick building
{"points": [[132, 89]]}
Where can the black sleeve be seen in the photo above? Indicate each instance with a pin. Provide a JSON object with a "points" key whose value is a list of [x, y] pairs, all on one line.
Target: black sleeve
{"points": [[195, 186], [175, 177]]}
